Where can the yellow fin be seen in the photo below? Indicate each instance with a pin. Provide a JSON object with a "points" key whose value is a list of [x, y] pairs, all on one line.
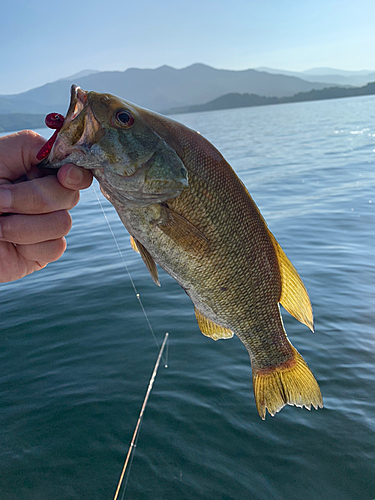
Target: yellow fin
{"points": [[211, 329], [183, 232], [294, 297], [292, 384], [133, 244], [147, 259]]}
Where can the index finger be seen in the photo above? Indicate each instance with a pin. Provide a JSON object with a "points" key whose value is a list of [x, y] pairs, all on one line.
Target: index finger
{"points": [[38, 196], [18, 154]]}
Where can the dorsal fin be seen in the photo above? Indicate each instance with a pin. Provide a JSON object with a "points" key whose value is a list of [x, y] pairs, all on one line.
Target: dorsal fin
{"points": [[147, 259], [294, 297], [211, 329]]}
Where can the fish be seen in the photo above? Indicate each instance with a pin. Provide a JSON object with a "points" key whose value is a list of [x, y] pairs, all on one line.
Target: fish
{"points": [[187, 211]]}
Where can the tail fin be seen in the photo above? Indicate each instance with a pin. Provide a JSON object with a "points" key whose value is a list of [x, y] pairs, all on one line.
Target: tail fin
{"points": [[291, 384]]}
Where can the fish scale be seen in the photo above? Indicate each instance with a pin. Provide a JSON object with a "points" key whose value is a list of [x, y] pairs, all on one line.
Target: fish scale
{"points": [[186, 210]]}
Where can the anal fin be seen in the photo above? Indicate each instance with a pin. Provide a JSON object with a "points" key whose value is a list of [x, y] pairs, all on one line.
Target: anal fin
{"points": [[211, 329], [134, 244], [147, 259]]}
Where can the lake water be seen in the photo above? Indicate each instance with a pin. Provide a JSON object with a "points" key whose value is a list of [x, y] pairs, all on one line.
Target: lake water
{"points": [[76, 353]]}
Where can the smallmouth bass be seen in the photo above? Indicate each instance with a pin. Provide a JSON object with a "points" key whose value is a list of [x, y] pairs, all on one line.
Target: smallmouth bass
{"points": [[187, 211]]}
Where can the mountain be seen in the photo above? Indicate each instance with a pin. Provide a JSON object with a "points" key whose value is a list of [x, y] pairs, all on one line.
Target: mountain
{"points": [[16, 121], [327, 75], [161, 88]]}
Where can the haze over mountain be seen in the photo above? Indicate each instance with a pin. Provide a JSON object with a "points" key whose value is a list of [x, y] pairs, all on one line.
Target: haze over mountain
{"points": [[80, 74], [328, 75], [158, 89]]}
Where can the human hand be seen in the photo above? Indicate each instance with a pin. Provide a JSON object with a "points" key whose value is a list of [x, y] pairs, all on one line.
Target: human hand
{"points": [[33, 234]]}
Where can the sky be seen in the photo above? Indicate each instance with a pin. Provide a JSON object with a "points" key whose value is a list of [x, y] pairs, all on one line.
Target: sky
{"points": [[42, 41]]}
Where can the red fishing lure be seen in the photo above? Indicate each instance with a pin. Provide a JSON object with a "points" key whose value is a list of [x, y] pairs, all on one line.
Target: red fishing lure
{"points": [[54, 121]]}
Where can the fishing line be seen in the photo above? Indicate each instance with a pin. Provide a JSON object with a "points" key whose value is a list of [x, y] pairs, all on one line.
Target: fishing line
{"points": [[133, 444], [130, 277]]}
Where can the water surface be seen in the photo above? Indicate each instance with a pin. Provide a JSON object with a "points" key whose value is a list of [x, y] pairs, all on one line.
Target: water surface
{"points": [[76, 353]]}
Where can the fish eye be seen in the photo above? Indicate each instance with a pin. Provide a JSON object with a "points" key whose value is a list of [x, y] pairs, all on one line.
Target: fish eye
{"points": [[124, 118]]}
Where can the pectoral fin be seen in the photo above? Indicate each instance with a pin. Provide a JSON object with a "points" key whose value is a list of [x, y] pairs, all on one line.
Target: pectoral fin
{"points": [[294, 297], [182, 232], [147, 259], [211, 329]]}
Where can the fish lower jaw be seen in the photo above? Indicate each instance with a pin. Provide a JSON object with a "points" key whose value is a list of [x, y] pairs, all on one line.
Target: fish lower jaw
{"points": [[77, 157], [63, 153]]}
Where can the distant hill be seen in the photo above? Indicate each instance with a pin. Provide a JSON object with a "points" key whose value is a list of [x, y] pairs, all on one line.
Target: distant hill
{"points": [[18, 121], [159, 88], [236, 100]]}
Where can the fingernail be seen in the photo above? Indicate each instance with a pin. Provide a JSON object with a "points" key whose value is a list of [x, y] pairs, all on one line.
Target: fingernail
{"points": [[74, 176], [5, 198]]}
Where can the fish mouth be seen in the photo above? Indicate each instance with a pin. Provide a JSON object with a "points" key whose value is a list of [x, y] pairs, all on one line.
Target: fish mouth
{"points": [[80, 131], [81, 115]]}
